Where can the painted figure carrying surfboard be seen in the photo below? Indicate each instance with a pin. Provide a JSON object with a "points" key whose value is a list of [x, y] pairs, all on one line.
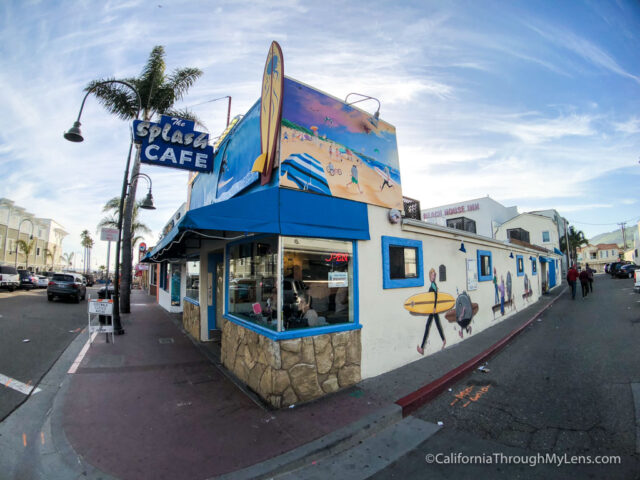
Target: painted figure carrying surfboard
{"points": [[433, 316]]}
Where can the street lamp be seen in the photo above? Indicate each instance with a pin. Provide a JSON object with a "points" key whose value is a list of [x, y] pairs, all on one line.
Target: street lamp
{"points": [[30, 238], [147, 203], [74, 135], [376, 116]]}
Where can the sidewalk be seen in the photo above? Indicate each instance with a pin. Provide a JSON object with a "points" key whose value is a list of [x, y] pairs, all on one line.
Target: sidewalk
{"points": [[153, 406]]}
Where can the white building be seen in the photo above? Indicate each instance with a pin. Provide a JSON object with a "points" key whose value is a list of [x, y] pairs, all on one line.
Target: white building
{"points": [[480, 215]]}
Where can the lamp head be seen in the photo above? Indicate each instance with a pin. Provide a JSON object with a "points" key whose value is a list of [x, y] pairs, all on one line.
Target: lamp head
{"points": [[147, 203], [511, 255], [462, 249], [74, 134]]}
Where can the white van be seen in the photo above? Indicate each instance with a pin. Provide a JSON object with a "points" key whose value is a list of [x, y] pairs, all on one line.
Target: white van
{"points": [[9, 278]]}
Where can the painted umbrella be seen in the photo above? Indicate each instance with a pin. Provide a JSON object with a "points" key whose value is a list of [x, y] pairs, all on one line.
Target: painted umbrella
{"points": [[306, 172]]}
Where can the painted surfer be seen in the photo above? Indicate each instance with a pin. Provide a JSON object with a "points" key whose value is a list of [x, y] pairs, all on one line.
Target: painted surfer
{"points": [[386, 178], [501, 288], [434, 316], [354, 177], [495, 285]]}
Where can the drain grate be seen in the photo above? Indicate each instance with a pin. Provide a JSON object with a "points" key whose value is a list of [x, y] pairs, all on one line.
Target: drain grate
{"points": [[164, 341]]}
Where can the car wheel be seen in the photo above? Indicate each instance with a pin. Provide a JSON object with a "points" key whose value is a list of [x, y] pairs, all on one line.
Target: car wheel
{"points": [[50, 298], [76, 299], [11, 289]]}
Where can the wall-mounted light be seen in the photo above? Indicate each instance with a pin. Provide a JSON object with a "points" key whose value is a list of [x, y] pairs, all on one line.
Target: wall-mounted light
{"points": [[511, 255], [462, 249], [376, 116]]}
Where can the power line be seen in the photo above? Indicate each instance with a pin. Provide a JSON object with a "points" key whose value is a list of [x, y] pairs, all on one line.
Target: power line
{"points": [[632, 219]]}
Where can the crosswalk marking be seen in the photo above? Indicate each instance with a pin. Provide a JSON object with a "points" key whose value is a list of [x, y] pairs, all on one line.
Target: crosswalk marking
{"points": [[18, 386]]}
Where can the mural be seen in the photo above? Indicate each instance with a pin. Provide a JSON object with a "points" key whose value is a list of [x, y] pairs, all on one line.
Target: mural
{"points": [[463, 313], [329, 147], [503, 293], [528, 291]]}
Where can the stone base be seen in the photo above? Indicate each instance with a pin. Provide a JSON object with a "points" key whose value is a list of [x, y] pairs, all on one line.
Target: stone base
{"points": [[191, 319], [287, 372]]}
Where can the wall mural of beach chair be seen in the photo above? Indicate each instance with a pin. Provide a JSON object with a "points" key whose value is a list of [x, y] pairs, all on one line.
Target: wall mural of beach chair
{"points": [[306, 172]]}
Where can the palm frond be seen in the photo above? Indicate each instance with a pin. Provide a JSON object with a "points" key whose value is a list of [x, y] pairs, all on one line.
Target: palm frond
{"points": [[187, 115], [182, 79], [118, 99]]}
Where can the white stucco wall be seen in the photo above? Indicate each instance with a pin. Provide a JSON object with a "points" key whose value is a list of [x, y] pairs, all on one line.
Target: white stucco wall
{"points": [[390, 333], [535, 225]]}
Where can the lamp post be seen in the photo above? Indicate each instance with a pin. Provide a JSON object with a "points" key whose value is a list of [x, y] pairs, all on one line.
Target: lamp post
{"points": [[376, 116], [74, 135], [147, 203], [30, 237]]}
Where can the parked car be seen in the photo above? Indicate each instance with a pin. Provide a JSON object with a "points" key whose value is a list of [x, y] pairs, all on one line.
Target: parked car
{"points": [[43, 281], [626, 271], [27, 279], [613, 268], [67, 285], [9, 278]]}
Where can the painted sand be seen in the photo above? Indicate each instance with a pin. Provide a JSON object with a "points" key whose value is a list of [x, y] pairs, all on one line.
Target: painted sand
{"points": [[328, 152]]}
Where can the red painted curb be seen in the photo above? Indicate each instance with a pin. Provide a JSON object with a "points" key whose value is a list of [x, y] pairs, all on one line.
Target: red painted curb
{"points": [[416, 399]]}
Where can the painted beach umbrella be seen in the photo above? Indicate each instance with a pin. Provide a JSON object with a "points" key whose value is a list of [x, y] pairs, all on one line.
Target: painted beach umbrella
{"points": [[306, 172], [342, 150], [314, 130]]}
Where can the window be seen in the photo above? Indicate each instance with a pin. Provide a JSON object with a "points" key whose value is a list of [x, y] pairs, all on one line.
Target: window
{"points": [[520, 265], [518, 234], [462, 223], [401, 263], [442, 273], [485, 266], [38, 251], [164, 273], [193, 280], [252, 293], [534, 266], [152, 274], [317, 284], [593, 255], [545, 236]]}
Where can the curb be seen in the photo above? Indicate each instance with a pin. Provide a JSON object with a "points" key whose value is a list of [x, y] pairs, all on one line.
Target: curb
{"points": [[415, 400]]}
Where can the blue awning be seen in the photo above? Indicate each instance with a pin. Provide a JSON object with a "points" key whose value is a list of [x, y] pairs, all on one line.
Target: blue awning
{"points": [[273, 210], [557, 252]]}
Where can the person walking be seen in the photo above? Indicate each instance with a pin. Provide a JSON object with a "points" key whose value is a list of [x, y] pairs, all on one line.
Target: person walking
{"points": [[590, 272], [584, 282], [572, 277]]}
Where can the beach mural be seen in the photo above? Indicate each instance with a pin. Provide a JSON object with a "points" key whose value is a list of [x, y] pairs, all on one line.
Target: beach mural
{"points": [[331, 148]]}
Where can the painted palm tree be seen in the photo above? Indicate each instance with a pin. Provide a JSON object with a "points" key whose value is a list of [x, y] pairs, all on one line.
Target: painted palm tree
{"points": [[67, 258], [27, 248], [576, 240], [159, 92]]}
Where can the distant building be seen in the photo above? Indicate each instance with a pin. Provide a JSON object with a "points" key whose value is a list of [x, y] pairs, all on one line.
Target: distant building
{"points": [[597, 256], [46, 234], [480, 215]]}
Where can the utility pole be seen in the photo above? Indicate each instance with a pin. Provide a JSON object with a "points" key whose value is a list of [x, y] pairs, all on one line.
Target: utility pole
{"points": [[624, 237]]}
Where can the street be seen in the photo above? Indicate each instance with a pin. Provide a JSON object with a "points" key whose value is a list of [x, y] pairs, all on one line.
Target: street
{"points": [[564, 386], [49, 328]]}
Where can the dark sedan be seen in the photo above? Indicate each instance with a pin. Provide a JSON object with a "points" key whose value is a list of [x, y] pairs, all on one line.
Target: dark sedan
{"points": [[27, 279], [67, 285], [626, 271]]}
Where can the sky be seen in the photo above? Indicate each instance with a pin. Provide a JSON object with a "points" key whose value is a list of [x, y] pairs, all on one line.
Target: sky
{"points": [[535, 103]]}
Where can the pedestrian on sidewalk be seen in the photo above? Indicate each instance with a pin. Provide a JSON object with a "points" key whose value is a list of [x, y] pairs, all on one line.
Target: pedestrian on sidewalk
{"points": [[590, 272], [433, 316], [584, 282], [572, 277]]}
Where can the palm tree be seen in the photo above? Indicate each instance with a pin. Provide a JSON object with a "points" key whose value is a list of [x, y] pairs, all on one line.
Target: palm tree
{"points": [[26, 248], [576, 240], [111, 221], [86, 241], [50, 253], [68, 258], [158, 93]]}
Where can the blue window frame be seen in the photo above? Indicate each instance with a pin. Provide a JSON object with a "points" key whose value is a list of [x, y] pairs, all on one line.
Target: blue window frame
{"points": [[520, 265], [485, 266], [534, 266], [401, 263]]}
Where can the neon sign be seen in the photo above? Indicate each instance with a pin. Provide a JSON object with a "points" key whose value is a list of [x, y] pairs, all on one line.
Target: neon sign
{"points": [[337, 257]]}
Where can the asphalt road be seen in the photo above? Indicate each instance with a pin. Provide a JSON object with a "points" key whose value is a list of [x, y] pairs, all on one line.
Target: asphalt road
{"points": [[564, 386], [49, 326]]}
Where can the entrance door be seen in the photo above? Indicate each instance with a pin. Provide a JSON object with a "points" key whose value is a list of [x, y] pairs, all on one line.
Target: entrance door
{"points": [[552, 273], [214, 286]]}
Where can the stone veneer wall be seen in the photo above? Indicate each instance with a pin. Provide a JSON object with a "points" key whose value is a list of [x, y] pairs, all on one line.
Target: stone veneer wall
{"points": [[191, 319], [287, 372]]}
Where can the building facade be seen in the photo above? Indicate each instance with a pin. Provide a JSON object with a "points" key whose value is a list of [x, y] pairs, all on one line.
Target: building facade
{"points": [[597, 256], [44, 235]]}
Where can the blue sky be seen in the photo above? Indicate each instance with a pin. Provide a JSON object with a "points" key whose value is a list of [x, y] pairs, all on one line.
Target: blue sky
{"points": [[534, 103]]}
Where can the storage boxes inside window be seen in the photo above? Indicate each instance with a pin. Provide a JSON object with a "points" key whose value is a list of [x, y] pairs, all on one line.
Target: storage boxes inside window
{"points": [[252, 281], [317, 283]]}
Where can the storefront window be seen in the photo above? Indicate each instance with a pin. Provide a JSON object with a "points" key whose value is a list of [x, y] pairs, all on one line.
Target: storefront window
{"points": [[317, 283], [252, 281], [193, 279]]}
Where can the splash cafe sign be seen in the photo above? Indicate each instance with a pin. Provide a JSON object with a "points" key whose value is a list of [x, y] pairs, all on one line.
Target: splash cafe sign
{"points": [[173, 143]]}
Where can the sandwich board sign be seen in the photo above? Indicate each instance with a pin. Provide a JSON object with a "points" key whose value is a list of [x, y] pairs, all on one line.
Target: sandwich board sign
{"points": [[98, 308]]}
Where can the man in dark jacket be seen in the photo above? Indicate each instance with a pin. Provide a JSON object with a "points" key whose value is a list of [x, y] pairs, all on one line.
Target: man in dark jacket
{"points": [[584, 282], [572, 277]]}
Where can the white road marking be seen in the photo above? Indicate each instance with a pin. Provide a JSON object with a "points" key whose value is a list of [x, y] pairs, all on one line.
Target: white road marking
{"points": [[18, 386], [83, 352]]}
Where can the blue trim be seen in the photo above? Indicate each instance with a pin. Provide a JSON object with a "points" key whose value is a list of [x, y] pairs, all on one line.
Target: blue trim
{"points": [[356, 287], [387, 281], [485, 278], [534, 266], [191, 300], [519, 258]]}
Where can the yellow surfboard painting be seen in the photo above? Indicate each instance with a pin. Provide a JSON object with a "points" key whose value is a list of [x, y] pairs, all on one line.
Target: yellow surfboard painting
{"points": [[270, 112], [423, 303]]}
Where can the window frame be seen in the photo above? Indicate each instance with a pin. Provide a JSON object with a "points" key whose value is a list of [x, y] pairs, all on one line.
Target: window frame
{"points": [[290, 334], [534, 266], [387, 281], [519, 258], [479, 255], [548, 236]]}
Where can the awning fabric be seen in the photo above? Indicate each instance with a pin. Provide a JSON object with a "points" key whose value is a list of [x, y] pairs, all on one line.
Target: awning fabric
{"points": [[273, 210], [557, 252]]}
